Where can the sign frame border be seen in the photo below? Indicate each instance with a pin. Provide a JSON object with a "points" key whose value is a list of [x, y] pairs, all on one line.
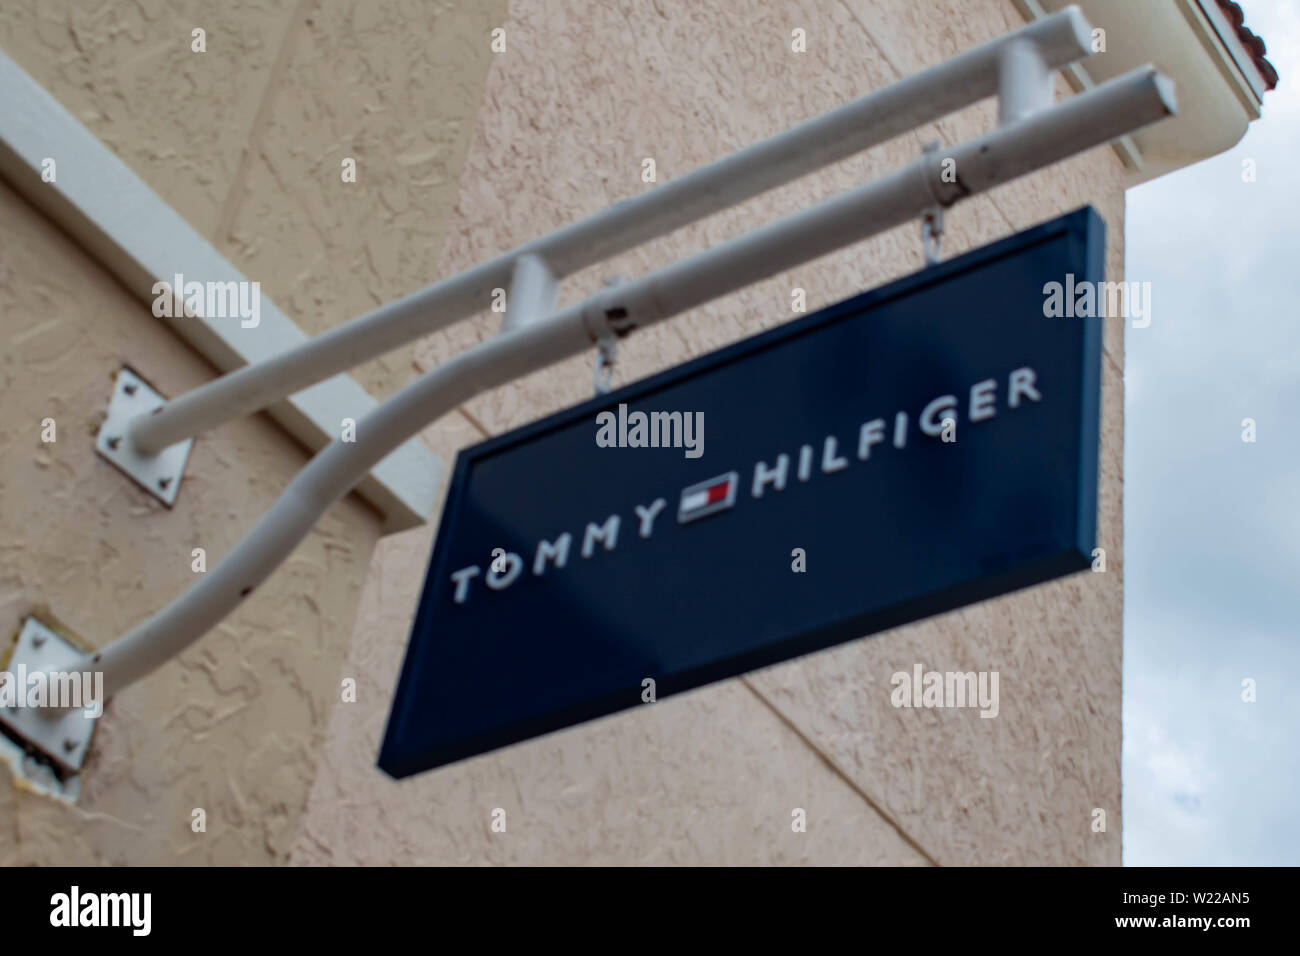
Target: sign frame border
{"points": [[1084, 226]]}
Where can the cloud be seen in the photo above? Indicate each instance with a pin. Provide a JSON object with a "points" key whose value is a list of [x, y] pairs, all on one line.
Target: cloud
{"points": [[1212, 528]]}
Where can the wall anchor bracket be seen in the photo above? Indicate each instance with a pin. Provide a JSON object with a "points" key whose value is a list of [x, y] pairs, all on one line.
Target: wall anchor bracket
{"points": [[932, 218], [45, 745], [159, 474]]}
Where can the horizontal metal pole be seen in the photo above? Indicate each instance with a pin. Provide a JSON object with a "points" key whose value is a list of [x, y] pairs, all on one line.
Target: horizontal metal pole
{"points": [[1089, 119], [1060, 39], [1123, 104]]}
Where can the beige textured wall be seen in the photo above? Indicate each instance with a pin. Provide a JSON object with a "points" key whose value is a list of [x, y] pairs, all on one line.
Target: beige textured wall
{"points": [[234, 725], [462, 154], [245, 141], [582, 94]]}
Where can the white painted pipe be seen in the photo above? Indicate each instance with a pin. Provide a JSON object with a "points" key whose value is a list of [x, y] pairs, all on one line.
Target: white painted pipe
{"points": [[1089, 119], [532, 293], [1024, 82], [1060, 39]]}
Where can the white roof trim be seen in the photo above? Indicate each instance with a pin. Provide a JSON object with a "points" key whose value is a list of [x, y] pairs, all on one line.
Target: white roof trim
{"points": [[128, 227], [1236, 63]]}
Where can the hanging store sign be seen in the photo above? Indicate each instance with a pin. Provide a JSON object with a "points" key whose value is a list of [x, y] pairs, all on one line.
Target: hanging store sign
{"points": [[910, 450]]}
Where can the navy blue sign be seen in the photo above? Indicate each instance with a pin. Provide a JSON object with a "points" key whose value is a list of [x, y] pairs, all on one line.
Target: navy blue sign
{"points": [[910, 450]]}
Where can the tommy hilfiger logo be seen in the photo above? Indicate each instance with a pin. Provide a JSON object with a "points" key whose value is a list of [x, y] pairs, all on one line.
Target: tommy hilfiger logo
{"points": [[936, 421], [716, 494]]}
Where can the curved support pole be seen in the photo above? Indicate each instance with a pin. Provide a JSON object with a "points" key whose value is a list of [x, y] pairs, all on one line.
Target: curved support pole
{"points": [[325, 479]]}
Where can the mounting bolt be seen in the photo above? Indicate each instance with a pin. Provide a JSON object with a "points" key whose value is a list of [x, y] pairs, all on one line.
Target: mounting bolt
{"points": [[69, 744], [129, 388], [114, 442], [164, 482], [38, 640]]}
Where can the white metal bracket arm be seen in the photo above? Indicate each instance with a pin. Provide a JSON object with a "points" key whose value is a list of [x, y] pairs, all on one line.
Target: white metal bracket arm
{"points": [[1006, 66], [1024, 80], [1121, 105], [532, 292]]}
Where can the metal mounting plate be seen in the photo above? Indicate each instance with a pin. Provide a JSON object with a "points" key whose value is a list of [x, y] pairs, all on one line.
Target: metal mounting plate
{"points": [[159, 474], [62, 739]]}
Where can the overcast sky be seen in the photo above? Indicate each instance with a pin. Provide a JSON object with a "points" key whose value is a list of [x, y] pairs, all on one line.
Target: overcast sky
{"points": [[1212, 524]]}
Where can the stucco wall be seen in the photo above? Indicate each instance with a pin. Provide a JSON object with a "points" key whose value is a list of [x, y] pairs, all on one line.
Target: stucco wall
{"points": [[462, 153], [234, 724], [584, 92], [245, 141]]}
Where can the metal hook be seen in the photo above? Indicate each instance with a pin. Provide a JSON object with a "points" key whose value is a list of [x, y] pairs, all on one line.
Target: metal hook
{"points": [[931, 235], [931, 219], [606, 356], [606, 350]]}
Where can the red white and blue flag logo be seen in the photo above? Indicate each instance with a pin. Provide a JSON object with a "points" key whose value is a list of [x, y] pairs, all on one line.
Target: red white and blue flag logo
{"points": [[716, 494]]}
